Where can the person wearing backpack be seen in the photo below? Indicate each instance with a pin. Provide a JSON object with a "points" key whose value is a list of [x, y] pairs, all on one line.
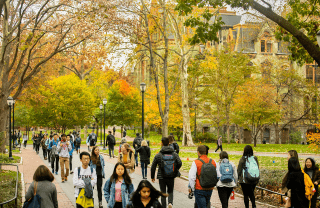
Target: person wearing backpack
{"points": [[145, 153], [169, 164], [228, 178], [173, 144], [203, 177], [69, 139], [81, 174], [219, 144], [49, 150], [248, 175], [78, 143], [64, 147], [111, 141], [136, 144], [53, 147], [44, 146], [92, 139]]}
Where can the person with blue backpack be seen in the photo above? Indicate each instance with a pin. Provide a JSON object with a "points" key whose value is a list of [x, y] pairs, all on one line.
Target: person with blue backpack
{"points": [[248, 175], [228, 178], [53, 146], [169, 164], [70, 152]]}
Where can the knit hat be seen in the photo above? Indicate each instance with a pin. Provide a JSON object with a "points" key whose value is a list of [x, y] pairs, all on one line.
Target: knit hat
{"points": [[123, 140]]}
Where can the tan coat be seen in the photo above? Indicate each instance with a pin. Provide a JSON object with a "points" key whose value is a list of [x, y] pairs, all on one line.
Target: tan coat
{"points": [[130, 160]]}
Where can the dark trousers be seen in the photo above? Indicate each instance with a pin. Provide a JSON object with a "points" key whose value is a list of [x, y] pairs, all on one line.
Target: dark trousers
{"points": [[224, 194], [25, 143], [144, 168], [202, 198], [118, 205], [70, 162], [314, 198], [136, 157], [37, 148], [248, 192], [219, 147], [44, 153], [55, 159], [111, 150], [34, 145], [49, 155], [166, 186], [99, 186]]}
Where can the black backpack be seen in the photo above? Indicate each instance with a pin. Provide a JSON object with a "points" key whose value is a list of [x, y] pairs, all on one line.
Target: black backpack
{"points": [[176, 147], [112, 140], [208, 176]]}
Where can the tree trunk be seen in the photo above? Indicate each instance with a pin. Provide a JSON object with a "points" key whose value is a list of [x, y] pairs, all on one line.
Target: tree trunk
{"points": [[85, 133], [276, 127], [228, 133]]}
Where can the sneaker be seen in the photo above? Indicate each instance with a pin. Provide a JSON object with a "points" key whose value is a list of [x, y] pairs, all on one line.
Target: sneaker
{"points": [[66, 178], [56, 173], [71, 172], [52, 171], [62, 180], [170, 205]]}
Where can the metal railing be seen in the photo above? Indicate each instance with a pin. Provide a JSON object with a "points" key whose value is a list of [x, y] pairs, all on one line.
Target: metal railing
{"points": [[16, 192], [273, 192]]}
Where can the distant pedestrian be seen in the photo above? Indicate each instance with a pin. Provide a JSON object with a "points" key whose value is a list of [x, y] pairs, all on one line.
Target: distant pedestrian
{"points": [[114, 131], [53, 146], [228, 178], [136, 144], [166, 173], [92, 139], [25, 140], [64, 148], [145, 154], [83, 174], [70, 153], [126, 156], [249, 175], [97, 162], [173, 144], [118, 187], [124, 132], [291, 153], [203, 177], [219, 144], [42, 185], [146, 196], [37, 140], [49, 150], [44, 146], [111, 141], [296, 184], [77, 143], [313, 171]]}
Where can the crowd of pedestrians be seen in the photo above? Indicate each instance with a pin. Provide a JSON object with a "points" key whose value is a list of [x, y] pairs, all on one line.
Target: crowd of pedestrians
{"points": [[299, 184]]}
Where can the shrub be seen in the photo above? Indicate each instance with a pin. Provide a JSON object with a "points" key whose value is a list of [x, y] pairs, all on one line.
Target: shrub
{"points": [[274, 182], [206, 137], [295, 137]]}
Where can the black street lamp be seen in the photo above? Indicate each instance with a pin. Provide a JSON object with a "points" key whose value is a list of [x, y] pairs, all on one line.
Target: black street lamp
{"points": [[143, 87], [13, 133], [101, 107], [10, 103], [104, 123]]}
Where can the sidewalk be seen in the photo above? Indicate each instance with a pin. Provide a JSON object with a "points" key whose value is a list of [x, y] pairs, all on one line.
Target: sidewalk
{"points": [[31, 161]]}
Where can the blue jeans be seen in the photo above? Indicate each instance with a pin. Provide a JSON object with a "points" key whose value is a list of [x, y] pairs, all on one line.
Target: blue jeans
{"points": [[144, 168], [202, 197], [136, 157]]}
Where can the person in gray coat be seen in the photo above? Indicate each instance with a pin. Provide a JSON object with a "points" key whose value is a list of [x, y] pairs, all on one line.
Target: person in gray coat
{"points": [[42, 181]]}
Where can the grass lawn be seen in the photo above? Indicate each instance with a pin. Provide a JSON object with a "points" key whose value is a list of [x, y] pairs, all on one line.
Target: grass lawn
{"points": [[8, 187], [4, 158]]}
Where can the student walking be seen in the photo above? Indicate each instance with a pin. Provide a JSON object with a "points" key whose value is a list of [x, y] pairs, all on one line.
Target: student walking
{"points": [[118, 187], [313, 171], [136, 144], [64, 148], [25, 140], [44, 146], [146, 196], [296, 184], [249, 175], [166, 173], [144, 151], [49, 150], [82, 175], [77, 143], [111, 141], [114, 131], [219, 144], [37, 141], [42, 185], [291, 153], [69, 139], [203, 177], [97, 162], [53, 146], [126, 156], [174, 145], [228, 178]]}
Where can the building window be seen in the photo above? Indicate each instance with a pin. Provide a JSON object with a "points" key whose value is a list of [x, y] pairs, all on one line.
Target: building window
{"points": [[263, 46], [313, 73], [266, 46]]}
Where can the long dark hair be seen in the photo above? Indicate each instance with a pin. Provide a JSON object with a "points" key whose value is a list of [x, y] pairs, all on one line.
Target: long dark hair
{"points": [[293, 153], [94, 157], [293, 165], [313, 167], [126, 177], [248, 151], [154, 193]]}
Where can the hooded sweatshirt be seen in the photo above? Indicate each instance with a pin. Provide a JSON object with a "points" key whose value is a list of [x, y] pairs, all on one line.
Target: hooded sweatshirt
{"points": [[158, 158], [64, 150]]}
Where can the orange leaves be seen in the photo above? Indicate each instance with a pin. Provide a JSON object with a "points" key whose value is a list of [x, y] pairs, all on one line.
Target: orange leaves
{"points": [[124, 87], [314, 140]]}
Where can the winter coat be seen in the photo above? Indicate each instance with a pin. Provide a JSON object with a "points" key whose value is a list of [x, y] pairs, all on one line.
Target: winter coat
{"points": [[137, 142], [110, 141], [154, 203], [95, 166], [130, 160], [158, 158], [109, 193], [296, 184], [37, 140], [241, 166], [144, 154]]}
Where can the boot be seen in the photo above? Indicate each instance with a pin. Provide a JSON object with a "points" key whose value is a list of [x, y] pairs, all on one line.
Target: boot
{"points": [[45, 158]]}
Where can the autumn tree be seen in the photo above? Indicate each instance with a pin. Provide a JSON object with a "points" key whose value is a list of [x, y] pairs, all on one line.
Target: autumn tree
{"points": [[254, 107], [299, 27]]}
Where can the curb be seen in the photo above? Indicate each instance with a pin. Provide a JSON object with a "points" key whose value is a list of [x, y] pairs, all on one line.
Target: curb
{"points": [[23, 194]]}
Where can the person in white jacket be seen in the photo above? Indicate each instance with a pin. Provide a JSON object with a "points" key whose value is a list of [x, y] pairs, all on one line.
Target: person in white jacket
{"points": [[85, 172], [64, 147]]}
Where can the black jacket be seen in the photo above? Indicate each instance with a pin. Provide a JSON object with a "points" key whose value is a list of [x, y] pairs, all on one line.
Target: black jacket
{"points": [[241, 166], [144, 154], [157, 161], [137, 142], [109, 140], [154, 204], [296, 184]]}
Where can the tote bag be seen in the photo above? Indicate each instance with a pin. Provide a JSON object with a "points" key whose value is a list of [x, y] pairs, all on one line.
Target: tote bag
{"points": [[35, 201]]}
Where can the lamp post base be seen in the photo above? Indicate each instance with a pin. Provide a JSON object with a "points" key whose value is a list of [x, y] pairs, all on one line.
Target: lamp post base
{"points": [[11, 158], [104, 149]]}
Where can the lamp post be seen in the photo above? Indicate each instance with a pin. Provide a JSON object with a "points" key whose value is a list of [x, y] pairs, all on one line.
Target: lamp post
{"points": [[13, 133], [100, 107], [104, 123], [143, 87], [10, 103]]}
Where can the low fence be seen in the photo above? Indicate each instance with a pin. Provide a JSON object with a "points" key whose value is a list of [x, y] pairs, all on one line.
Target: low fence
{"points": [[15, 198]]}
